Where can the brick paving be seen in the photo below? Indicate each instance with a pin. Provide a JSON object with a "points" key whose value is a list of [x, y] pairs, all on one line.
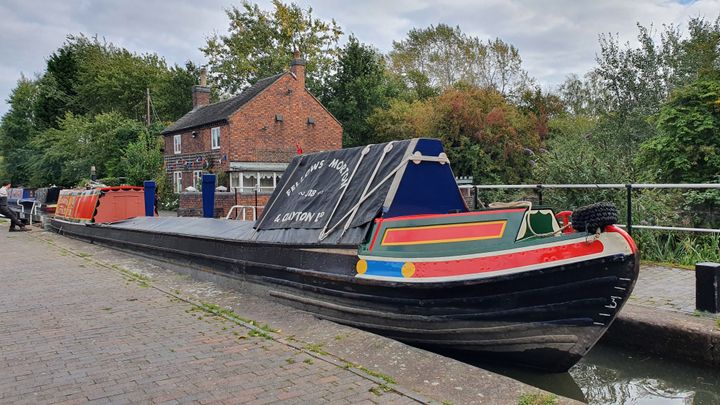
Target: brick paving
{"points": [[666, 288], [72, 331]]}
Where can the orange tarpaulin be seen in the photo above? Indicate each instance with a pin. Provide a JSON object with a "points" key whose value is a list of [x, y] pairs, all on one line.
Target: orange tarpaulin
{"points": [[107, 204]]}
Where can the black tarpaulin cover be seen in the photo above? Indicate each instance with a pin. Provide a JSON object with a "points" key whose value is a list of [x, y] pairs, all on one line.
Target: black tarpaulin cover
{"points": [[319, 193]]}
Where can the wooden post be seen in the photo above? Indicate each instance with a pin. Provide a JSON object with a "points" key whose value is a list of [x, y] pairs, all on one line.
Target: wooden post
{"points": [[707, 287]]}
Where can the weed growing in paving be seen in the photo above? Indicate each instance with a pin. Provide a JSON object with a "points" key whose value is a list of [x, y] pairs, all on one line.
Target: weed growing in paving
{"points": [[537, 399], [380, 389], [384, 377], [256, 333], [308, 361], [290, 360], [316, 348], [224, 312]]}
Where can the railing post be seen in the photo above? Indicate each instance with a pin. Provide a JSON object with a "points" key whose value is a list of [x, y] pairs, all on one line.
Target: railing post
{"points": [[475, 197], [629, 208], [540, 194]]}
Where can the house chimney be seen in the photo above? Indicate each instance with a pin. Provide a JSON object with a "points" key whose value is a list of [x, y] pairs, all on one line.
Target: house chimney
{"points": [[201, 93], [297, 68]]}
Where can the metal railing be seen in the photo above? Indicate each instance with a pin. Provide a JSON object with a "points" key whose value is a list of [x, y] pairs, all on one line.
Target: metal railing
{"points": [[243, 209], [538, 188], [33, 209]]}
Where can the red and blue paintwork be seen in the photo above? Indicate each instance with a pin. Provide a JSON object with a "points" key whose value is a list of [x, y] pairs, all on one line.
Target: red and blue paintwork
{"points": [[471, 245]]}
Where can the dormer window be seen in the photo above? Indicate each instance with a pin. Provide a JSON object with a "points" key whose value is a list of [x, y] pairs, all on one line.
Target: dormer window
{"points": [[215, 133]]}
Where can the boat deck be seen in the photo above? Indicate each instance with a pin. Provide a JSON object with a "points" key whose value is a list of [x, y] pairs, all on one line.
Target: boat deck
{"points": [[235, 230], [190, 226]]}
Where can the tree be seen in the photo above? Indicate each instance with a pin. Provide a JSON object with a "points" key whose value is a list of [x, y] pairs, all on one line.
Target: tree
{"points": [[442, 56], [261, 43], [687, 148], [436, 52], [143, 158], [65, 154], [497, 65], [484, 135], [360, 85], [17, 130]]}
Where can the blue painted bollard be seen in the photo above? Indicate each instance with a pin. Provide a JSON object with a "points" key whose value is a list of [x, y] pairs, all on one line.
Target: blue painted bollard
{"points": [[208, 195], [149, 187], [707, 287]]}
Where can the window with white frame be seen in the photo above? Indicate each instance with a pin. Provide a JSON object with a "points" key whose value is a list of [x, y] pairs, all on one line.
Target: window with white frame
{"points": [[215, 134], [197, 179], [245, 182], [177, 143], [177, 181]]}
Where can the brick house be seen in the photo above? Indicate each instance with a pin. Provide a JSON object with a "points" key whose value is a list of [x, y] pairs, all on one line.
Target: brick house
{"points": [[251, 137]]}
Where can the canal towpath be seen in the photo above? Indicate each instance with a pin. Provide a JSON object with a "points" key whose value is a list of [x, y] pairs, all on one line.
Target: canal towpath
{"points": [[86, 324]]}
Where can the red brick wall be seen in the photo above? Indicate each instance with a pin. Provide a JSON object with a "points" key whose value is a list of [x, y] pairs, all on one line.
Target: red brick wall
{"points": [[195, 152], [191, 204], [255, 135]]}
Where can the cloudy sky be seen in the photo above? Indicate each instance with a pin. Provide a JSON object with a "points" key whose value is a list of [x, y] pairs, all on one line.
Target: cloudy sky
{"points": [[555, 37]]}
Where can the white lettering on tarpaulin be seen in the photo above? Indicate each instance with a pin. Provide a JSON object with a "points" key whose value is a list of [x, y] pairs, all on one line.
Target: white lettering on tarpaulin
{"points": [[344, 170], [299, 216], [315, 166]]}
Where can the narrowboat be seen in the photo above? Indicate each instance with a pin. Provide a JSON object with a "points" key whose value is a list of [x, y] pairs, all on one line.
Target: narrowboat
{"points": [[379, 238]]}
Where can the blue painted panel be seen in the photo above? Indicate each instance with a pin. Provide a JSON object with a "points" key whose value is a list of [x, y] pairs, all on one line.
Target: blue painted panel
{"points": [[387, 269], [149, 187], [428, 187], [208, 195]]}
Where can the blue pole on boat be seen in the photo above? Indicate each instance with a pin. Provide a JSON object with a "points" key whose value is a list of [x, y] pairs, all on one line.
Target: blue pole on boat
{"points": [[149, 187], [208, 195]]}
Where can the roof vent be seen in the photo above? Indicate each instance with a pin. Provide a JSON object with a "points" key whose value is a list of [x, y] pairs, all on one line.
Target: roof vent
{"points": [[311, 121], [278, 118]]}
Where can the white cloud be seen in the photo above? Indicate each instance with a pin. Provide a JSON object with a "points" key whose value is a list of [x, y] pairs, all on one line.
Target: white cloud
{"points": [[555, 38]]}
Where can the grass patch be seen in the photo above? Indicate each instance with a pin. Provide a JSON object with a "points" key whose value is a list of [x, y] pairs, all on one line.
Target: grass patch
{"points": [[290, 360], [384, 377], [717, 323], [316, 348], [308, 361], [677, 248], [537, 399], [380, 389], [257, 333], [229, 314], [142, 280]]}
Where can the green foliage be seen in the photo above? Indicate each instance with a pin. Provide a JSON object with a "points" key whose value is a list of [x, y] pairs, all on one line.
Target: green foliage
{"points": [[16, 131], [359, 86], [676, 247], [64, 155], [260, 43], [537, 399], [89, 77], [687, 148], [484, 135], [442, 56], [85, 110], [143, 159]]}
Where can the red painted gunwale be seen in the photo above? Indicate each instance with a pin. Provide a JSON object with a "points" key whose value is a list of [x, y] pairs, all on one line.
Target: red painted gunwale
{"points": [[507, 261]]}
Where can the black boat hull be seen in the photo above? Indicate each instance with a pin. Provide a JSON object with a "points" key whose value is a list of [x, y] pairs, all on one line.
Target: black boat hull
{"points": [[545, 319]]}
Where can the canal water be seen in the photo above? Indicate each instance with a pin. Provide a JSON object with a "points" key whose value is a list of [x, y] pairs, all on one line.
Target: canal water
{"points": [[608, 375]]}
